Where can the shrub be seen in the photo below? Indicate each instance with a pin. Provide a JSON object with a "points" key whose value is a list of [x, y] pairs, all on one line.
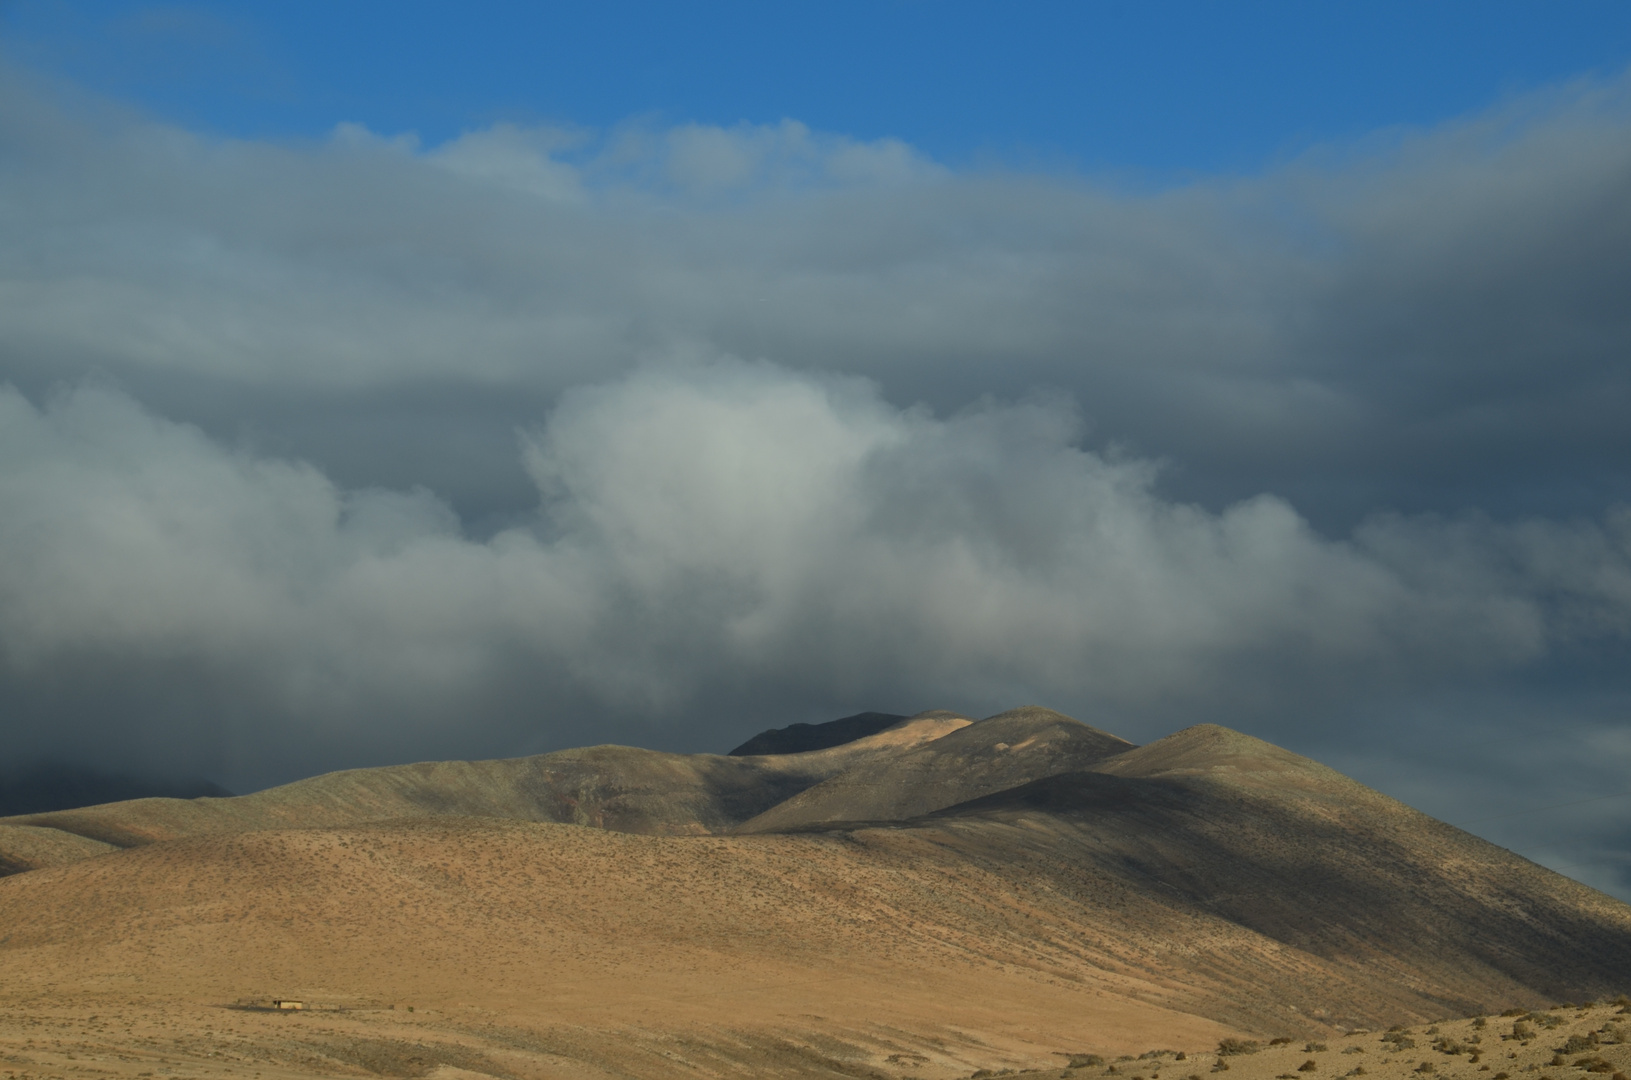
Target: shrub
{"points": [[1085, 1061], [1308, 1066], [1232, 1047], [1220, 1065], [1353, 1050], [1315, 1048], [1578, 1044], [1399, 1041], [1281, 1041], [1594, 1065], [1427, 1067], [1557, 1059], [1521, 1031], [1480, 1023]]}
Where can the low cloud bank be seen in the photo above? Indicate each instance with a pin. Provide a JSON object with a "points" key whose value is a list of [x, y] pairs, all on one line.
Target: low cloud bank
{"points": [[711, 541]]}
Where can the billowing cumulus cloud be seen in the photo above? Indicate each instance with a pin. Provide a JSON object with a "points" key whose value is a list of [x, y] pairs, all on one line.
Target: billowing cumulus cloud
{"points": [[360, 449], [708, 535]]}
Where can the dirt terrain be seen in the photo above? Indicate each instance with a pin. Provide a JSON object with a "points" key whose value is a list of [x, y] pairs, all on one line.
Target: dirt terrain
{"points": [[1094, 921], [622, 788]]}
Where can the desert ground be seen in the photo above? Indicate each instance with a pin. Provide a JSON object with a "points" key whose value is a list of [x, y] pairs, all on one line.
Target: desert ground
{"points": [[1022, 893]]}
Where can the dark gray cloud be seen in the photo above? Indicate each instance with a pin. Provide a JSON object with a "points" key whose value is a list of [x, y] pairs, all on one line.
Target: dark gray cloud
{"points": [[357, 451]]}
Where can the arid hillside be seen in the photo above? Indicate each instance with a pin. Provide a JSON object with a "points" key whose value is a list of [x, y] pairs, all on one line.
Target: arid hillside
{"points": [[1205, 887], [999, 752], [622, 788]]}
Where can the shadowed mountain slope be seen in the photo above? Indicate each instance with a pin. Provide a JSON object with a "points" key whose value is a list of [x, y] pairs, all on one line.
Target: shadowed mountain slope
{"points": [[798, 738], [611, 787], [29, 847], [999, 752], [1218, 824]]}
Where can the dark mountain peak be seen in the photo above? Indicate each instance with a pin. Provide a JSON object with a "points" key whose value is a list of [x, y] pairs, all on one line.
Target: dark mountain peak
{"points": [[802, 738]]}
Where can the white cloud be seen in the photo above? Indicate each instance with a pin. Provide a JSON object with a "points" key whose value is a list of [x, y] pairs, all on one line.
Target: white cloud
{"points": [[515, 157]]}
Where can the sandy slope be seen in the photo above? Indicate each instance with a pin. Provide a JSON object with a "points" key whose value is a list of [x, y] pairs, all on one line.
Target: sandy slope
{"points": [[622, 788]]}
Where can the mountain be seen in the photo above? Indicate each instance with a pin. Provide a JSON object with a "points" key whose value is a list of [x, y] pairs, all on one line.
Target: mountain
{"points": [[939, 897]]}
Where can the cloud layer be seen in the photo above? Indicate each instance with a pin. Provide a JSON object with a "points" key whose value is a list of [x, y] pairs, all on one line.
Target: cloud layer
{"points": [[362, 450], [718, 536]]}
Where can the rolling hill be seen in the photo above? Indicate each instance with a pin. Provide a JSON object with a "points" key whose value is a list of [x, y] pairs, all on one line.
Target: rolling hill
{"points": [[935, 898]]}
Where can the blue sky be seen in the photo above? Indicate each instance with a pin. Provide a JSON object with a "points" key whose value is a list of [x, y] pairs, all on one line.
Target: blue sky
{"points": [[1156, 90], [394, 382]]}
